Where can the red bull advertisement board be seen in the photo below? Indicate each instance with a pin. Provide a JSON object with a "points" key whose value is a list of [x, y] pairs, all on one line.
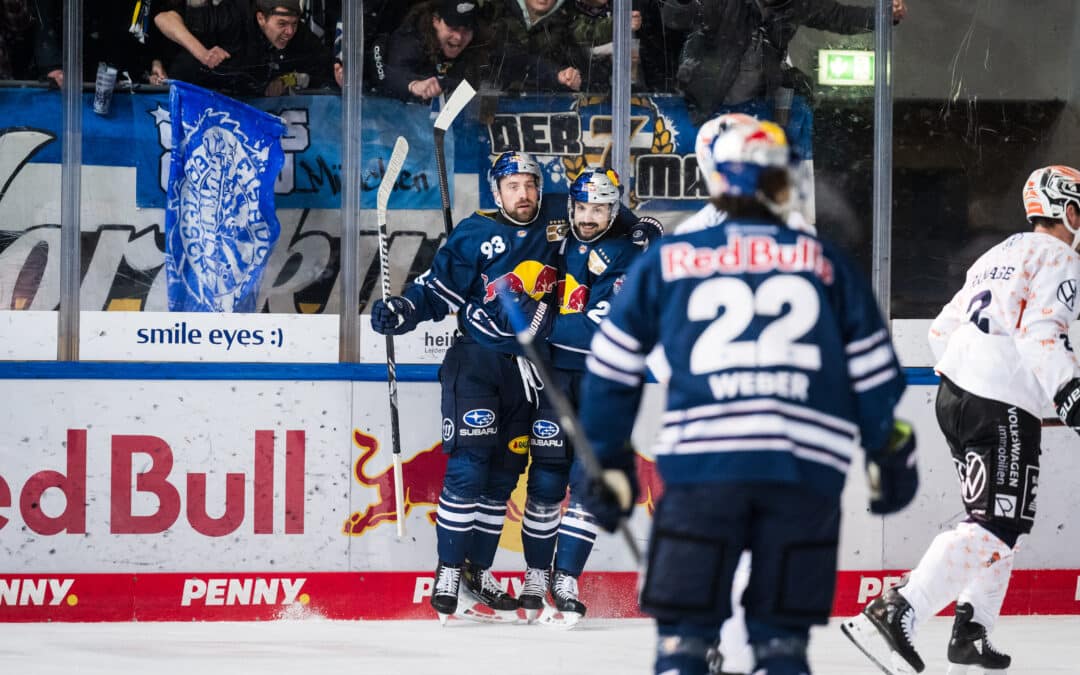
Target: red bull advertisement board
{"points": [[175, 500]]}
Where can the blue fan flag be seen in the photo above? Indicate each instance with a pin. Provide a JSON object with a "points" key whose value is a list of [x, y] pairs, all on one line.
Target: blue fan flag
{"points": [[220, 221]]}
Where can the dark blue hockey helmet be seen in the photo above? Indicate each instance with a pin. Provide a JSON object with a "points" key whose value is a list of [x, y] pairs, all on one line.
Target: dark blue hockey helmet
{"points": [[594, 187], [511, 163]]}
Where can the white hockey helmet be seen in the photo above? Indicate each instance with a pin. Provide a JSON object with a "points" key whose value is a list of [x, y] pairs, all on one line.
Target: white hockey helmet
{"points": [[732, 152], [508, 164], [594, 187], [1048, 191]]}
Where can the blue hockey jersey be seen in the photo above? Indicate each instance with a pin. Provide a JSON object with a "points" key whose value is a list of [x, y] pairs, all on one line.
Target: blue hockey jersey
{"points": [[781, 362], [483, 251], [590, 275]]}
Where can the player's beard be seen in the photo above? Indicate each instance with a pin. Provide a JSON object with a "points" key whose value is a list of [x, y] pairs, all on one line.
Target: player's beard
{"points": [[524, 211], [589, 231]]}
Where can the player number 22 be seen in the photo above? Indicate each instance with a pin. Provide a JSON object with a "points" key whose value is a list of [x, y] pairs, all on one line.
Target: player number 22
{"points": [[716, 348]]}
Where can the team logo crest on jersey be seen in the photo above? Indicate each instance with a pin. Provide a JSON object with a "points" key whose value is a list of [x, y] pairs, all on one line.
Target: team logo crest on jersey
{"points": [[557, 230], [447, 428], [617, 285], [597, 264], [1066, 293], [480, 418]]}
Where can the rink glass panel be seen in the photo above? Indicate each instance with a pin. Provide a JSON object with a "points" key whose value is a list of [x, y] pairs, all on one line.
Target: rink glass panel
{"points": [[30, 216], [975, 109]]}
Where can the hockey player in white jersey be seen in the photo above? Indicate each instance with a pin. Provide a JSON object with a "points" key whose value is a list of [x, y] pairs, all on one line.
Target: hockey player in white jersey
{"points": [[1003, 353]]}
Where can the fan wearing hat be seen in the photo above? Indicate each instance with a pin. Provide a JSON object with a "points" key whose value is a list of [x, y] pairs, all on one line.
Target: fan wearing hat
{"points": [[431, 52], [280, 54]]}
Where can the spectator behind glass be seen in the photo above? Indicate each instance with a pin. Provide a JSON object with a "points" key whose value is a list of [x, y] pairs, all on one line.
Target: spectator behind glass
{"points": [[30, 40], [593, 29], [16, 24], [431, 53], [207, 32], [737, 52], [279, 55], [533, 46], [661, 40]]}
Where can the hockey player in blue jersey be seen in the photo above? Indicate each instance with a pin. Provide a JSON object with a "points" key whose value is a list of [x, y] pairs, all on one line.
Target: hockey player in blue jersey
{"points": [[592, 264], [781, 366], [489, 393]]}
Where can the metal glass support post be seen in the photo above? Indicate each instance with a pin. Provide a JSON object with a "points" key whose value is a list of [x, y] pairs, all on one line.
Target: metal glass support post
{"points": [[67, 342], [881, 271], [620, 93], [352, 98]]}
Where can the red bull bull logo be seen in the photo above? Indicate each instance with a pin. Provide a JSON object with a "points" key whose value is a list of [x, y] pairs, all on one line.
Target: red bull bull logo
{"points": [[531, 277], [573, 297], [422, 477]]}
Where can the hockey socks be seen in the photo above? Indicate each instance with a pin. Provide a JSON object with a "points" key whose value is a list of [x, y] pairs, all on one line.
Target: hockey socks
{"points": [[487, 528], [539, 528], [953, 561], [577, 534], [453, 526], [986, 592]]}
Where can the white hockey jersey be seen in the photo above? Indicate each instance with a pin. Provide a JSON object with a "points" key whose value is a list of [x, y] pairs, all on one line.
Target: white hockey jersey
{"points": [[1005, 334]]}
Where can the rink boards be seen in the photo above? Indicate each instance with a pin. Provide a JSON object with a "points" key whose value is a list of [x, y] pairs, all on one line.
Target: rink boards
{"points": [[159, 499]]}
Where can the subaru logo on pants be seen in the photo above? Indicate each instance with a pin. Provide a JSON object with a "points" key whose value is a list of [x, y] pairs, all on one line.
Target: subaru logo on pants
{"points": [[479, 418], [545, 428]]}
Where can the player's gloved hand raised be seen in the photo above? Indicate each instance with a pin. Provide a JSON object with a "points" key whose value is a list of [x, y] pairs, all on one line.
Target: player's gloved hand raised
{"points": [[612, 496], [892, 473], [1067, 405], [396, 316], [645, 231]]}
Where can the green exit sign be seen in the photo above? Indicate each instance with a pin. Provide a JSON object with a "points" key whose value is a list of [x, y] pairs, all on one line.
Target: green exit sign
{"points": [[846, 67]]}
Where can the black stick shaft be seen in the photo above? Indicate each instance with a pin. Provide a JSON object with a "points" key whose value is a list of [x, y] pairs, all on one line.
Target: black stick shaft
{"points": [[444, 179], [583, 449]]}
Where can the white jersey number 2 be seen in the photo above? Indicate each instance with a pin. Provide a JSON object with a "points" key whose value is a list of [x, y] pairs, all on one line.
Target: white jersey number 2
{"points": [[776, 345]]}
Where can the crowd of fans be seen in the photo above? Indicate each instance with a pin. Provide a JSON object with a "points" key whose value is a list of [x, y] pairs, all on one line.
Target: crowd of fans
{"points": [[715, 52]]}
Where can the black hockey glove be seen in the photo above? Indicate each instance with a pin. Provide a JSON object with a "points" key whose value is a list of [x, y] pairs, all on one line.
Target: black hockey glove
{"points": [[645, 231], [611, 497], [396, 316], [1067, 404], [892, 474]]}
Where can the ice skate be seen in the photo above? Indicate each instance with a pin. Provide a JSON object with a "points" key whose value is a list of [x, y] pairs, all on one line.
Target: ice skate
{"points": [[970, 650], [883, 632], [533, 592], [484, 598], [445, 596], [568, 608]]}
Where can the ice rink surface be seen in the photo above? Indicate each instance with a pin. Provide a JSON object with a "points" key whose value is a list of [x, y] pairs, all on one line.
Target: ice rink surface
{"points": [[1039, 645]]}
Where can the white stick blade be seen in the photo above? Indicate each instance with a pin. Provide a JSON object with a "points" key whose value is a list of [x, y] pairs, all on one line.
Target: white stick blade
{"points": [[458, 100], [393, 168]]}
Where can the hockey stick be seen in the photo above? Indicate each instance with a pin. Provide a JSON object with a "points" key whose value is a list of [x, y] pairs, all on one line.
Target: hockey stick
{"points": [[386, 186], [525, 334], [457, 102]]}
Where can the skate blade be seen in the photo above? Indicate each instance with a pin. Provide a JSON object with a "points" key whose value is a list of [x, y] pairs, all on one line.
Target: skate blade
{"points": [[531, 615], [442, 618], [865, 635], [553, 618], [471, 608]]}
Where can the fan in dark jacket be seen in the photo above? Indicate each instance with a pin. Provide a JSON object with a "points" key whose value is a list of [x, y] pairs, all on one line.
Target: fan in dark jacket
{"points": [[431, 52]]}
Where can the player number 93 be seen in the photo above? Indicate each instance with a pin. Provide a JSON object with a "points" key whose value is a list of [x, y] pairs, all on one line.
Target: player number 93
{"points": [[493, 247]]}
